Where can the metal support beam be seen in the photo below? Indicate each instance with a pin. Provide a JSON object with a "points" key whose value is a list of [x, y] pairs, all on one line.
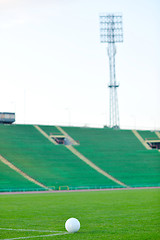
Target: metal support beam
{"points": [[111, 32]]}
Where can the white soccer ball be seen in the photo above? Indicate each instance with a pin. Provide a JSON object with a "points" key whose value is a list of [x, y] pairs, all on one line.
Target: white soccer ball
{"points": [[72, 225]]}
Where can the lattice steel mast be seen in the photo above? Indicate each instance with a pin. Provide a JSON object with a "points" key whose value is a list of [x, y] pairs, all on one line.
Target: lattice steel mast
{"points": [[111, 32]]}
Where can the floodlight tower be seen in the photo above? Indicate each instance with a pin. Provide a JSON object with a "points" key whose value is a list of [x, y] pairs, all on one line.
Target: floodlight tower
{"points": [[111, 32]]}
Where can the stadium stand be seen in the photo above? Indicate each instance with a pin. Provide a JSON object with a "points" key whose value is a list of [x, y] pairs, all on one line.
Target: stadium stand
{"points": [[12, 181], [52, 165], [118, 152], [151, 138], [148, 135]]}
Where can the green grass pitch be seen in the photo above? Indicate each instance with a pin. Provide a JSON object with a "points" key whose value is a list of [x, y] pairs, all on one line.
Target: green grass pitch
{"points": [[122, 214]]}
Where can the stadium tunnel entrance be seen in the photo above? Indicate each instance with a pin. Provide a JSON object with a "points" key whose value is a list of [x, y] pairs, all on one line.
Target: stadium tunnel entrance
{"points": [[154, 144], [61, 139]]}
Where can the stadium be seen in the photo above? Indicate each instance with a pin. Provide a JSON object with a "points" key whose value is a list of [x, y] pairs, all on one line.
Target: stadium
{"points": [[71, 158], [64, 165], [53, 168]]}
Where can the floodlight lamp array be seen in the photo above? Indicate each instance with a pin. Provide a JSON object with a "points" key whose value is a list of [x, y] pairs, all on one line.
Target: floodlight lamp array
{"points": [[111, 30]]}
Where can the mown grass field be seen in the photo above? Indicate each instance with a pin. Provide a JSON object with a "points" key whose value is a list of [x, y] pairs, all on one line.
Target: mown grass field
{"points": [[122, 214]]}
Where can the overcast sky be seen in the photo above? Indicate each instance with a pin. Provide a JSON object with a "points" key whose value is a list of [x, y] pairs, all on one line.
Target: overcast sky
{"points": [[54, 70]]}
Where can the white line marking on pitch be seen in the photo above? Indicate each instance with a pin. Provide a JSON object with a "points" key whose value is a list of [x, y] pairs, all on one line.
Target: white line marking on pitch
{"points": [[49, 235], [55, 233]]}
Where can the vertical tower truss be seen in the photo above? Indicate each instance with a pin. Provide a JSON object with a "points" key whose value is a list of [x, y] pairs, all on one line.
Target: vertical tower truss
{"points": [[111, 32]]}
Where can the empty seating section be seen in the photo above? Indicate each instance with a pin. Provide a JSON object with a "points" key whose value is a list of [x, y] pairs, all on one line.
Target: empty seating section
{"points": [[50, 130], [148, 135], [119, 153], [52, 165], [11, 180]]}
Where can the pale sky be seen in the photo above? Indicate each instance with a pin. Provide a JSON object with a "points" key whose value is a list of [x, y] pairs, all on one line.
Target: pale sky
{"points": [[55, 71]]}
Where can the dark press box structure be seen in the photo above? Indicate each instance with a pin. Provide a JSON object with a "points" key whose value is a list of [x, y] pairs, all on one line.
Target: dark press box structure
{"points": [[7, 117]]}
